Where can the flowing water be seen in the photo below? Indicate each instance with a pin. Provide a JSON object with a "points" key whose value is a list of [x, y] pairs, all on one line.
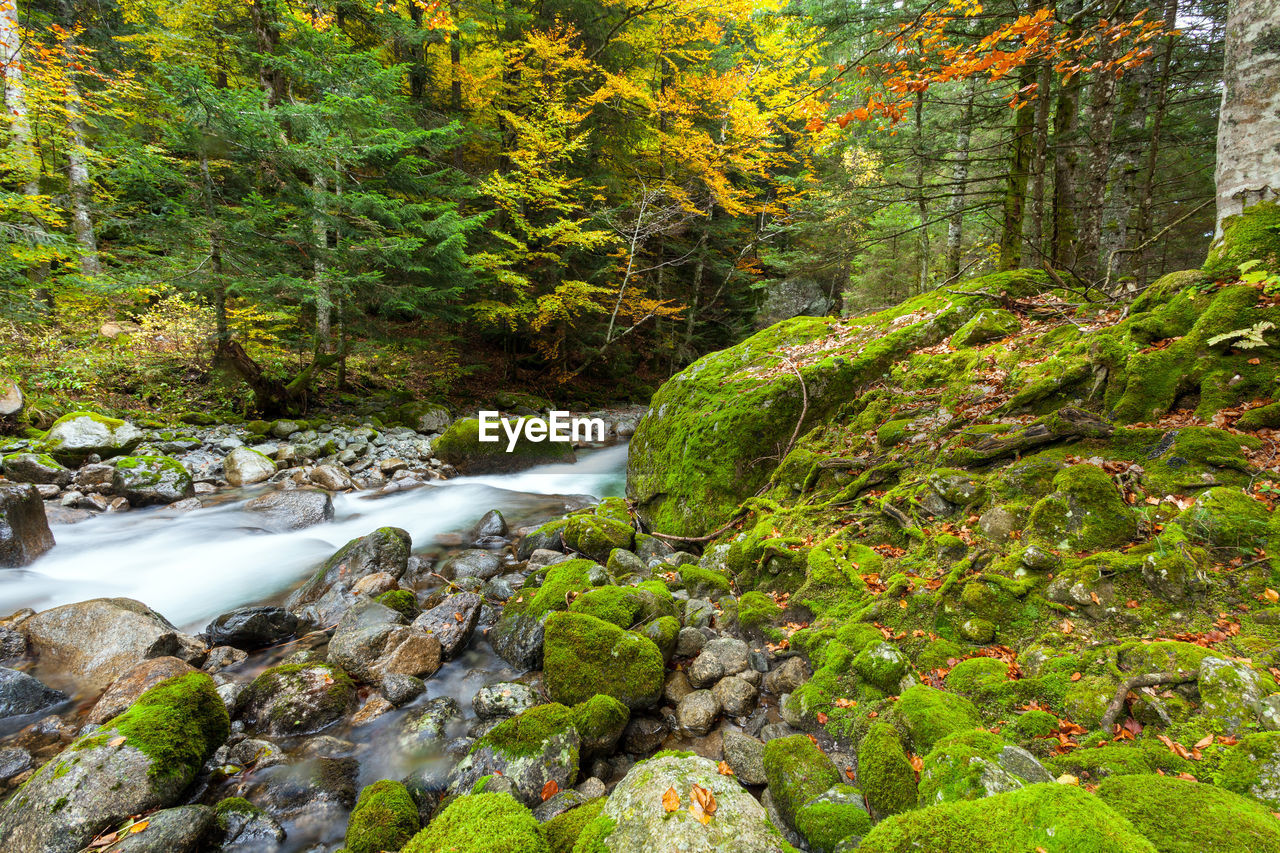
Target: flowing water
{"points": [[191, 567]]}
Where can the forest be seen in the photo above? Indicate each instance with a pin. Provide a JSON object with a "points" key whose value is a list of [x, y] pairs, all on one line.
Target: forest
{"points": [[284, 203]]}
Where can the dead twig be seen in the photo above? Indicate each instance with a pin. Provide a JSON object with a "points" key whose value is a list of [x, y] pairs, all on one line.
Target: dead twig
{"points": [[1150, 679]]}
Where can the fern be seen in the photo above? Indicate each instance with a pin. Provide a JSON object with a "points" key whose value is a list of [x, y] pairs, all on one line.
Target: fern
{"points": [[1245, 338]]}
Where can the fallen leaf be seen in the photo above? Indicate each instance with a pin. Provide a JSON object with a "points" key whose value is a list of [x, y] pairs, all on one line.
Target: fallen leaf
{"points": [[724, 769], [1271, 595], [1075, 676], [116, 741], [1067, 626], [702, 805], [550, 789], [139, 826], [457, 615], [1204, 741], [822, 718], [671, 800]]}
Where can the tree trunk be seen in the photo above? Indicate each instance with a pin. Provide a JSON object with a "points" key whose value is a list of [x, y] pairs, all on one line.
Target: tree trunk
{"points": [[1102, 116], [1065, 159], [264, 31], [1146, 195], [1015, 198], [319, 276], [1040, 164], [960, 177], [1123, 191], [78, 187], [1248, 169], [922, 206], [25, 162]]}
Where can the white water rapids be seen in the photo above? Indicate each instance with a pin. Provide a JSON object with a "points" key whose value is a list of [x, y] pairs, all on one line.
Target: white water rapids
{"points": [[191, 567]]}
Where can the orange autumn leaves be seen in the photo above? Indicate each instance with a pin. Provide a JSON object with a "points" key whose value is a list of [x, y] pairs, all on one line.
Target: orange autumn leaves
{"points": [[702, 803]]}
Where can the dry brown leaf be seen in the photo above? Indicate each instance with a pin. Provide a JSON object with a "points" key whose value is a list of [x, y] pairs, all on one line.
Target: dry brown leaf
{"points": [[116, 741], [724, 769], [139, 826], [702, 804], [1075, 676], [1204, 741], [671, 800], [1271, 595], [550, 789]]}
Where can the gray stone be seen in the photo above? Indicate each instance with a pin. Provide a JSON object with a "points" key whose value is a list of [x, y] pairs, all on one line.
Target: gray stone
{"points": [[332, 478], [490, 524], [734, 655], [736, 696], [745, 756], [295, 509], [643, 735], [697, 712], [786, 677], [690, 642], [538, 763], [425, 730], [372, 641], [504, 699], [1023, 764], [451, 622], [327, 595], [676, 687], [286, 701], [37, 468], [474, 563], [402, 689], [705, 670], [75, 437], [792, 297], [14, 760], [24, 529], [177, 830], [1230, 692], [149, 480], [251, 628], [21, 694], [245, 467]]}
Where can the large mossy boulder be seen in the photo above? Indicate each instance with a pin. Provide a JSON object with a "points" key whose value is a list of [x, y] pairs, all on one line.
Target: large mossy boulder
{"points": [[634, 819], [1250, 236], [885, 773], [24, 528], [75, 437], [147, 480], [35, 468], [1085, 512], [926, 715], [297, 699], [1049, 817], [143, 759], [1180, 816], [967, 766], [461, 447], [90, 644], [989, 324], [481, 823], [697, 453], [583, 656]]}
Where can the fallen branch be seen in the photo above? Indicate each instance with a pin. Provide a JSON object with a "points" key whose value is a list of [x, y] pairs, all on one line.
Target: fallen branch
{"points": [[707, 538], [1138, 681]]}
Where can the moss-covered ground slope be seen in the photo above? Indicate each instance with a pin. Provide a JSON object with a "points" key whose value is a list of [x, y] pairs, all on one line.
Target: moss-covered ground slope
{"points": [[974, 525]]}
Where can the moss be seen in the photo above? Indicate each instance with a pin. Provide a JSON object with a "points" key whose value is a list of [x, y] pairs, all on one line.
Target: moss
{"points": [[563, 830], [1085, 512], [702, 582], [461, 447], [891, 433], [400, 600], [1263, 417], [385, 817], [797, 772], [481, 823], [597, 535], [757, 610], [561, 582], [592, 839], [624, 606], [1227, 518], [927, 715], [1253, 235], [600, 719], [1101, 762], [1179, 816], [963, 767], [881, 665], [665, 634], [1250, 766], [1034, 724], [1049, 817], [338, 697], [825, 823], [884, 772], [178, 724], [583, 656], [526, 733]]}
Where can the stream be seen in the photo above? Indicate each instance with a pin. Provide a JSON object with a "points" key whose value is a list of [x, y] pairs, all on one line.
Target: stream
{"points": [[192, 566]]}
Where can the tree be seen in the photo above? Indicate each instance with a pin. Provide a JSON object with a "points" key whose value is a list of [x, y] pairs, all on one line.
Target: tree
{"points": [[1248, 169]]}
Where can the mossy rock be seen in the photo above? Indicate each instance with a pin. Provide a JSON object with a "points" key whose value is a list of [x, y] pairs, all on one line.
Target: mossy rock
{"points": [[834, 819], [596, 536], [1227, 518], [1263, 417], [143, 759], [885, 773], [665, 634], [1179, 816], [797, 772], [481, 823], [147, 480], [1253, 235], [757, 611], [1085, 512], [703, 583], [1101, 762], [926, 715], [402, 601], [1049, 817], [624, 606], [965, 766], [1252, 767], [583, 656], [461, 447], [882, 665], [989, 324], [298, 699], [562, 831], [78, 435], [600, 721], [529, 751], [518, 635], [385, 817]]}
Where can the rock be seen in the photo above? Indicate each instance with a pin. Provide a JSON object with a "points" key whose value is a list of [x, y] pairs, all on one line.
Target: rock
{"points": [[331, 478], [246, 828], [327, 594], [884, 771], [643, 735], [558, 804], [690, 642], [92, 643], [539, 746], [637, 822], [504, 699], [244, 466], [623, 564], [297, 699], [451, 622], [142, 760], [705, 670], [989, 324], [882, 665], [786, 677], [21, 694], [998, 524], [371, 641], [490, 524], [221, 657], [697, 712], [792, 297], [489, 821], [745, 756], [147, 480], [385, 818], [474, 563], [797, 771], [252, 628], [178, 830], [94, 477], [1037, 558], [676, 687], [138, 680], [11, 402], [426, 729], [518, 636], [75, 437], [38, 468], [460, 446], [402, 689], [310, 796], [835, 820], [1023, 764], [584, 656], [24, 529], [736, 696], [14, 760], [698, 613], [1229, 692], [295, 509]]}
